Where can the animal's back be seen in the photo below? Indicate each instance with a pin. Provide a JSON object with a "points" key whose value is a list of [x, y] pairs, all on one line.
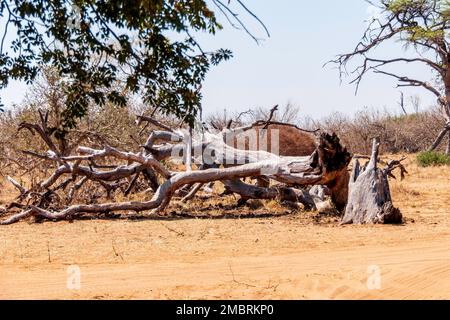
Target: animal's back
{"points": [[291, 141]]}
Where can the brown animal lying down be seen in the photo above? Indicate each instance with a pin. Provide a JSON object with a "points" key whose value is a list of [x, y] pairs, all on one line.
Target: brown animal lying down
{"points": [[295, 143], [292, 142]]}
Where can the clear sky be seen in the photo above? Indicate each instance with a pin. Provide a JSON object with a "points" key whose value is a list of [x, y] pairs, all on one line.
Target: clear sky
{"points": [[287, 67]]}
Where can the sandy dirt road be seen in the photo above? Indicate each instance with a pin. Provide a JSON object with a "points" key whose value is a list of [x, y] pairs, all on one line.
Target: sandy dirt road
{"points": [[291, 257]]}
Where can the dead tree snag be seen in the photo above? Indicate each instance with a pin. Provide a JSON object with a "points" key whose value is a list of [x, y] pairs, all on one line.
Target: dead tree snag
{"points": [[369, 198]]}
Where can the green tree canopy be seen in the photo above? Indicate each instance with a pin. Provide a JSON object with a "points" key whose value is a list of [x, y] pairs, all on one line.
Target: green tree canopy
{"points": [[97, 44]]}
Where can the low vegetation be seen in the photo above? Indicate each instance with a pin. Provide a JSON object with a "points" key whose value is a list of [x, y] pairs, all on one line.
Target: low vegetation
{"points": [[398, 133], [433, 158]]}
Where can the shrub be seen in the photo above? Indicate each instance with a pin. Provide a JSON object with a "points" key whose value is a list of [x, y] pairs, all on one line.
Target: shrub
{"points": [[398, 133], [432, 158]]}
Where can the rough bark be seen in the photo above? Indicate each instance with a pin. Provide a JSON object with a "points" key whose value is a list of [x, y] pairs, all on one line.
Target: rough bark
{"points": [[281, 193], [339, 189], [447, 151], [369, 198], [317, 198]]}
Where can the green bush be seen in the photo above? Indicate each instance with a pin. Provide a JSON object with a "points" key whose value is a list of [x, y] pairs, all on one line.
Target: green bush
{"points": [[432, 158]]}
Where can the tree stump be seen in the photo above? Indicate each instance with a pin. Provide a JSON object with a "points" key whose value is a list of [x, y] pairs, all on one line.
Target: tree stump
{"points": [[369, 198]]}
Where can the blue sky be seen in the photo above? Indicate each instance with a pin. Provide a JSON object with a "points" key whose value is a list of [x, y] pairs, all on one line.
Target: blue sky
{"points": [[287, 67]]}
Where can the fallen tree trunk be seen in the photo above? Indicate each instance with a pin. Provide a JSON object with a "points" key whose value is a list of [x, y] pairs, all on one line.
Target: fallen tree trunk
{"points": [[317, 198], [369, 198], [215, 150], [281, 193], [323, 167]]}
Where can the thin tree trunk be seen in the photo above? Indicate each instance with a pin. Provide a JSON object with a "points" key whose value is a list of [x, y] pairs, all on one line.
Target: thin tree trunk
{"points": [[447, 151], [192, 192], [188, 153], [439, 139]]}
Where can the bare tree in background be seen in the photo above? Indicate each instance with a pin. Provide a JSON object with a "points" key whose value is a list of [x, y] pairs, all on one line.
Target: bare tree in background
{"points": [[422, 25], [288, 113]]}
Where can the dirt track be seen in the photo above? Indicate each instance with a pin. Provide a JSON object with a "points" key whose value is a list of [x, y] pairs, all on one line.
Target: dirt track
{"points": [[292, 257]]}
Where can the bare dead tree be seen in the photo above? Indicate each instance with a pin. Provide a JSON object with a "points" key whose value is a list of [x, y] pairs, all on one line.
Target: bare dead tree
{"points": [[324, 166], [422, 25], [401, 103]]}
